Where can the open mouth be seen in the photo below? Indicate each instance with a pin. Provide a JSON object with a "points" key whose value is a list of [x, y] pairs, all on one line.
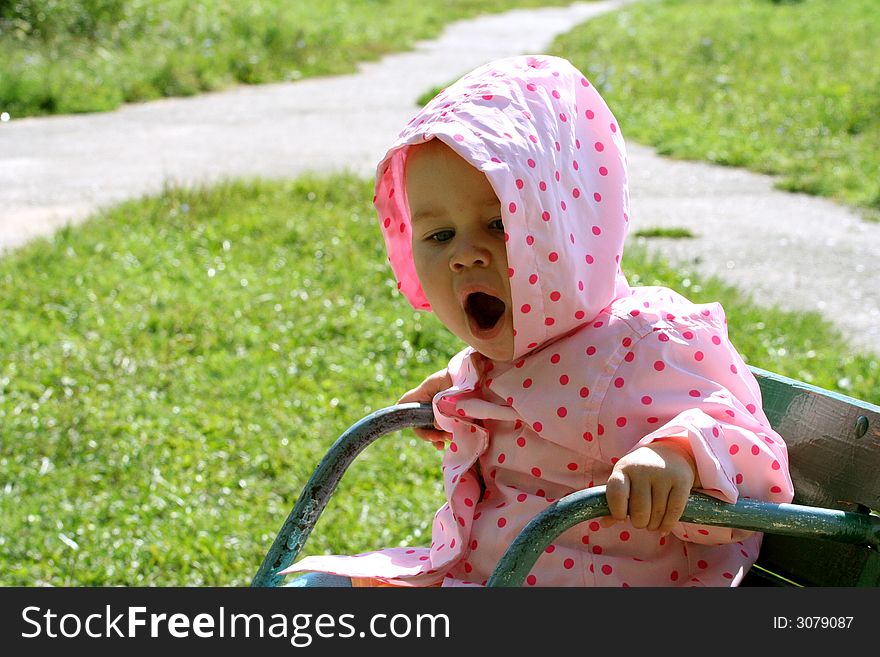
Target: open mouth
{"points": [[484, 310]]}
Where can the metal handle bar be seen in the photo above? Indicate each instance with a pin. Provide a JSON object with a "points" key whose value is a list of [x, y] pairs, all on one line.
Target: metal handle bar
{"points": [[583, 505], [580, 506], [321, 485]]}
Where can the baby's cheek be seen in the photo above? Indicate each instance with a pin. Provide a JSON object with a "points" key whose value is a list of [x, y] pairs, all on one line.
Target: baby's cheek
{"points": [[420, 261]]}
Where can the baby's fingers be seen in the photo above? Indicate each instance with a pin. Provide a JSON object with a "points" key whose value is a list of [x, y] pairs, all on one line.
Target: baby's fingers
{"points": [[425, 391], [640, 503], [659, 506], [675, 505], [617, 494], [438, 438]]}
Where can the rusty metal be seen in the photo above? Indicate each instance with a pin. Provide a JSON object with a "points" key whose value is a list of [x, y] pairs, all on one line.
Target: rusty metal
{"points": [[816, 424], [320, 487], [787, 519]]}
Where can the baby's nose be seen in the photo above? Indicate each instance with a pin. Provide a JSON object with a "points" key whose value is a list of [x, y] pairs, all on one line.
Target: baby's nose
{"points": [[469, 255]]}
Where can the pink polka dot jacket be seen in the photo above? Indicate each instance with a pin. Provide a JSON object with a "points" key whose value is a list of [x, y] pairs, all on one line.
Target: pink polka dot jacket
{"points": [[600, 368]]}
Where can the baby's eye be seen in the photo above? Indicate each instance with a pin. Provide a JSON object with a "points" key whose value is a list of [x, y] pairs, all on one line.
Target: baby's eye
{"points": [[442, 235], [496, 224]]}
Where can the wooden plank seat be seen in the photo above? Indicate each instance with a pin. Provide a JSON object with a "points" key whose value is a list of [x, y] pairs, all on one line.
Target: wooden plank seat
{"points": [[828, 536], [834, 453]]}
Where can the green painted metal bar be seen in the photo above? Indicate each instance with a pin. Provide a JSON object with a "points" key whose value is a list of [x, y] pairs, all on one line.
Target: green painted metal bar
{"points": [[320, 487], [789, 519]]}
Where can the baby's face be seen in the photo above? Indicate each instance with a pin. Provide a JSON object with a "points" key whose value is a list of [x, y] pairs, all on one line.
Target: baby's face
{"points": [[458, 245]]}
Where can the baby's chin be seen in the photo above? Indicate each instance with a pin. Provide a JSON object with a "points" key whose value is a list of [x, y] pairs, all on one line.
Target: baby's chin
{"points": [[500, 350]]}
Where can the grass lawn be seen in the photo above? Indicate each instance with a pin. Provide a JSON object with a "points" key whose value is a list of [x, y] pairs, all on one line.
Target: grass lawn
{"points": [[171, 373], [93, 55], [782, 87]]}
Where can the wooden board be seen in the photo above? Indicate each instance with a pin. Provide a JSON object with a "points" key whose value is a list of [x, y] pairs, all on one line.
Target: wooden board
{"points": [[834, 451]]}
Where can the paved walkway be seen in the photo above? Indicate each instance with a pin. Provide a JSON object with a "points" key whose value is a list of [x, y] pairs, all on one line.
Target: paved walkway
{"points": [[790, 250]]}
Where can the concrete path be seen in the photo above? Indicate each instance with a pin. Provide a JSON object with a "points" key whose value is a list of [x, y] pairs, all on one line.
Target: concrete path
{"points": [[790, 250], [794, 251]]}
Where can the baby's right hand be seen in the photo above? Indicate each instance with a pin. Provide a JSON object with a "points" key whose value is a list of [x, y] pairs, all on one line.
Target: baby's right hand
{"points": [[424, 394]]}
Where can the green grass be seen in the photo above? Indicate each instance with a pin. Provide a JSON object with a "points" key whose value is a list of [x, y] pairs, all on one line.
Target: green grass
{"points": [[660, 231], [172, 371], [422, 100], [784, 88], [93, 55]]}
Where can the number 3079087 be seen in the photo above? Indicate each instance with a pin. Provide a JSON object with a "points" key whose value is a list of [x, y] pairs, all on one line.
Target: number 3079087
{"points": [[812, 622]]}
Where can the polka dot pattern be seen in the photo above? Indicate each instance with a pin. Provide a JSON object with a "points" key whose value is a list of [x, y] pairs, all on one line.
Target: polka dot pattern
{"points": [[543, 199], [599, 368]]}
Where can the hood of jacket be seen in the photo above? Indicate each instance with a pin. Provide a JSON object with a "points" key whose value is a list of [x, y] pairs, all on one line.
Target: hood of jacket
{"points": [[555, 157]]}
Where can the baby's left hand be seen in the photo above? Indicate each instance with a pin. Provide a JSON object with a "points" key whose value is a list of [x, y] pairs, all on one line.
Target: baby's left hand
{"points": [[651, 485]]}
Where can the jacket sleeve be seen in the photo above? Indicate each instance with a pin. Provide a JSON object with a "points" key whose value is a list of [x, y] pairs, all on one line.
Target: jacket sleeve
{"points": [[689, 380]]}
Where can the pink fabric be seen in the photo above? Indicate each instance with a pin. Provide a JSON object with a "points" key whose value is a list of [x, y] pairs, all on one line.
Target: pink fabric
{"points": [[600, 368]]}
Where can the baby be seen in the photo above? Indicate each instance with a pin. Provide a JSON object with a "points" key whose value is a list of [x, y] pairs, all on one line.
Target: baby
{"points": [[504, 208]]}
